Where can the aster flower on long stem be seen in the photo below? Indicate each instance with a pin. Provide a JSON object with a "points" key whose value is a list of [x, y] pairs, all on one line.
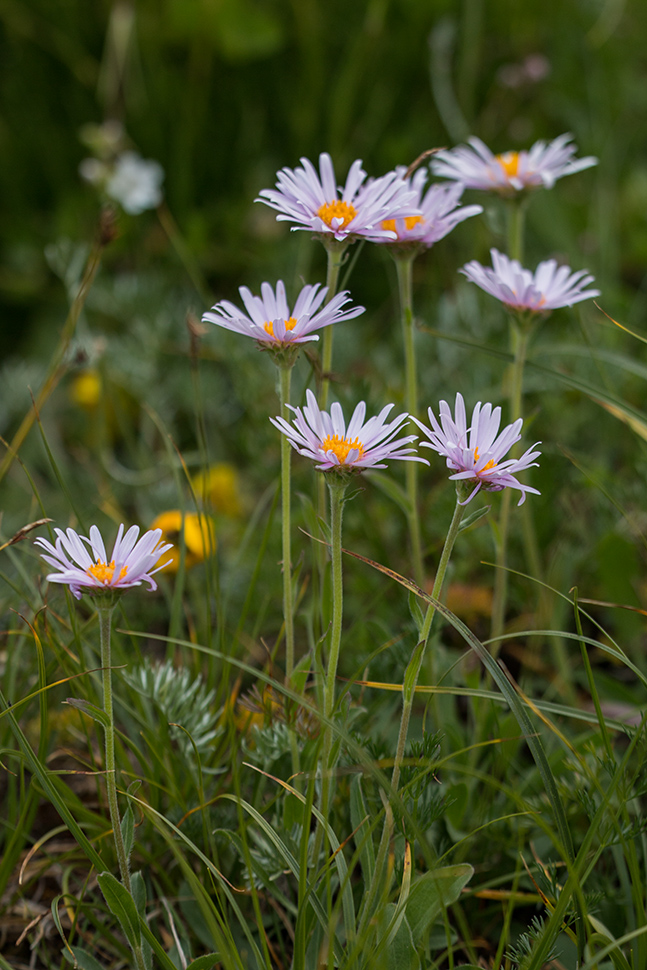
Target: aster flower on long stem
{"points": [[340, 450], [476, 167], [529, 297], [281, 330], [133, 561]]}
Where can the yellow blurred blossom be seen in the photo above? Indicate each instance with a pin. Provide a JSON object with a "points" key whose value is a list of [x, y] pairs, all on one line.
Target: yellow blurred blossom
{"points": [[219, 487], [199, 537], [85, 389]]}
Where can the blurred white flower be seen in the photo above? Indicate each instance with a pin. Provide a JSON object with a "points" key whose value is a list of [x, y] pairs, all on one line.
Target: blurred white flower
{"points": [[136, 183]]}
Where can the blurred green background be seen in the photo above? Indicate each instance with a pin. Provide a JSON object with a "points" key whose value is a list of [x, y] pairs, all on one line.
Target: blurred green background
{"points": [[224, 92]]}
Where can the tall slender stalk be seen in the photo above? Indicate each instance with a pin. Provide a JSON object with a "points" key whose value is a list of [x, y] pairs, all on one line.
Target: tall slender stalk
{"points": [[404, 267], [105, 618], [337, 488], [415, 664], [104, 612], [520, 333], [285, 377], [408, 694], [335, 251], [519, 336]]}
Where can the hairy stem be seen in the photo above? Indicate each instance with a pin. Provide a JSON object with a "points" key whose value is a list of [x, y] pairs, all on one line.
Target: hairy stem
{"points": [[404, 267], [285, 376]]}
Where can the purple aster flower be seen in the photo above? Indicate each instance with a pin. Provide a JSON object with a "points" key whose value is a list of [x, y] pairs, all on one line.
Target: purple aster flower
{"points": [[478, 168], [270, 320], [550, 286], [313, 201], [439, 212], [324, 437], [475, 454], [131, 563]]}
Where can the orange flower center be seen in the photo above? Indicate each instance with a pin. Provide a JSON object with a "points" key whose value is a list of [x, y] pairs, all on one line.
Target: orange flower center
{"points": [[289, 325], [486, 468], [509, 162], [409, 223], [341, 446], [104, 572], [337, 210]]}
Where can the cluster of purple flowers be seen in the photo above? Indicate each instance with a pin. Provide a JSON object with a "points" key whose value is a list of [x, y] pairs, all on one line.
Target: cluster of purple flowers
{"points": [[395, 210]]}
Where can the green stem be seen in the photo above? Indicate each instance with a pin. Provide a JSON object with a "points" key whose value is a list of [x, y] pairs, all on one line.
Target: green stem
{"points": [[516, 219], [520, 333], [337, 488], [285, 376], [105, 617], [516, 212], [404, 267], [335, 251], [408, 694], [415, 664]]}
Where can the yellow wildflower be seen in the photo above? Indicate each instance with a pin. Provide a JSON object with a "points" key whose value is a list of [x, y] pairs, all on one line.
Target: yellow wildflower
{"points": [[199, 537]]}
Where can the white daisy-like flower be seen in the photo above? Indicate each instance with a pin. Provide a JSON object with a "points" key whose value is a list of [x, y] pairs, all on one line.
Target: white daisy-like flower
{"points": [[312, 200], [549, 287], [439, 212], [476, 167], [475, 454], [324, 437], [270, 320], [131, 563], [135, 183]]}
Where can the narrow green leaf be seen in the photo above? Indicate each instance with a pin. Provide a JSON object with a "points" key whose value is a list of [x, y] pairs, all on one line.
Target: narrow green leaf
{"points": [[57, 922], [138, 889], [128, 830], [412, 671], [90, 709], [472, 519], [122, 906], [416, 613]]}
